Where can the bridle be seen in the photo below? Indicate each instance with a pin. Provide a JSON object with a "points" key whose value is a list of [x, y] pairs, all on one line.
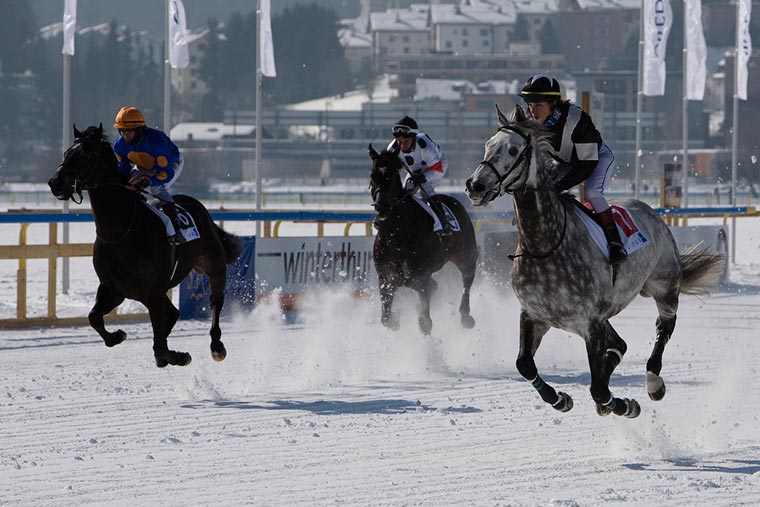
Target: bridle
{"points": [[524, 155], [81, 179]]}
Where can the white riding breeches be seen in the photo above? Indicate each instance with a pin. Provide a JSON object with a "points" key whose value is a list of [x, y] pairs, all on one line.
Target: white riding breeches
{"points": [[594, 185], [436, 221]]}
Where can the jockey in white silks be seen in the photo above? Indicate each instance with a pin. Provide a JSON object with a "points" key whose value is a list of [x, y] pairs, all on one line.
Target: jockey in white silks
{"points": [[427, 165]]}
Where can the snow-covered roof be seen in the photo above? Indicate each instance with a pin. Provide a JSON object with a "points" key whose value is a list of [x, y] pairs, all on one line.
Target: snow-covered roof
{"points": [[209, 131], [607, 5], [471, 14], [455, 89], [350, 101], [353, 33], [398, 20]]}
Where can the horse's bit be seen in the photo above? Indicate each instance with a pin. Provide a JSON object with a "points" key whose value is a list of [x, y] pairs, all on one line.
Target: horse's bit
{"points": [[524, 155]]}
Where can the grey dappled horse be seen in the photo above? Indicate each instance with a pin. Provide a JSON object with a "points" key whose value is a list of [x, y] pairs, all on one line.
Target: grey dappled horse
{"points": [[563, 280]]}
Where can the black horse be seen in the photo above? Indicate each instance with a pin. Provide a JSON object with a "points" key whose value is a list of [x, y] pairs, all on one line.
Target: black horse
{"points": [[131, 255], [407, 251]]}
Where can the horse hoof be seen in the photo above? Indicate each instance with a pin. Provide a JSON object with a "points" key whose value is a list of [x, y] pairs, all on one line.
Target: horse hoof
{"points": [[219, 354], [633, 409], [175, 358], [115, 338], [426, 325], [564, 402], [467, 321], [391, 324], [655, 386], [602, 410]]}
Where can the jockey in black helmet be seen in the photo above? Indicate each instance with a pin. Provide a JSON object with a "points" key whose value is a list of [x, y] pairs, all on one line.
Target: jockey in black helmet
{"points": [[585, 158]]}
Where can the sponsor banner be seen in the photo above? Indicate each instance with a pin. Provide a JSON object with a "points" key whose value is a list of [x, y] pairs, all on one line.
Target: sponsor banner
{"points": [[300, 263]]}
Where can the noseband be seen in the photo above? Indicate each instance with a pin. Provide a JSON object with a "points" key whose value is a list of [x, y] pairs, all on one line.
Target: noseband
{"points": [[524, 156]]}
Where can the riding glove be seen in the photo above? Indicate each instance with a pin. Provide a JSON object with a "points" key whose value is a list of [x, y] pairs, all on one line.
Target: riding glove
{"points": [[418, 179]]}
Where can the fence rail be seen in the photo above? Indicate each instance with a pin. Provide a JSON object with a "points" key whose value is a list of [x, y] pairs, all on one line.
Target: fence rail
{"points": [[272, 220]]}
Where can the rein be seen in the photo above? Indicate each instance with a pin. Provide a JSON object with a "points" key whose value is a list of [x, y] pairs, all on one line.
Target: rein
{"points": [[526, 253]]}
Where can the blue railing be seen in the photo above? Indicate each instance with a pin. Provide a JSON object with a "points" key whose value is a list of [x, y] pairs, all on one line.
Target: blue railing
{"points": [[345, 216]]}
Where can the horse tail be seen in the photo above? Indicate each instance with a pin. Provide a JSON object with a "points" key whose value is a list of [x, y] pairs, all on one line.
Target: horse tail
{"points": [[701, 270], [231, 243]]}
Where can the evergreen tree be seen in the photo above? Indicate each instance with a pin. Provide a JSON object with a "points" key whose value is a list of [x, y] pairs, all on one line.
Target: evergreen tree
{"points": [[549, 40], [310, 60]]}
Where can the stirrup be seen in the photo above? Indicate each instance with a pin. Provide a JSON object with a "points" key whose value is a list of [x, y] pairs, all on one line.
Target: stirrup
{"points": [[618, 254], [177, 239]]}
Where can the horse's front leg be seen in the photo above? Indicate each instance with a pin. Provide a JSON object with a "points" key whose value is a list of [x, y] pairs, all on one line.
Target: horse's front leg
{"points": [[217, 282], [388, 286], [605, 349], [162, 319], [424, 285], [531, 333], [106, 300], [464, 305]]}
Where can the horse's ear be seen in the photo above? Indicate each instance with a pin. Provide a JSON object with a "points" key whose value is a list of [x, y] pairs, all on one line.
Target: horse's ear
{"points": [[77, 134], [503, 121], [520, 113], [373, 154], [100, 130], [396, 150]]}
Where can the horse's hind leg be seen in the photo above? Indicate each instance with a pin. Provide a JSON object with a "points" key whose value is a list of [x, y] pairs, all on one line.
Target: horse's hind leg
{"points": [[163, 315], [531, 333], [218, 282], [106, 300], [424, 287], [666, 322]]}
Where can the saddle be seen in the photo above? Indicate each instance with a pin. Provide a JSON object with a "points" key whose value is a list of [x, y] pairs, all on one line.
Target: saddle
{"points": [[631, 236], [444, 213], [189, 230]]}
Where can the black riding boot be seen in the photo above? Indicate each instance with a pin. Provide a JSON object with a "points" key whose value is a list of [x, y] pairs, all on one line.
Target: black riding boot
{"points": [[171, 211], [437, 208], [615, 245]]}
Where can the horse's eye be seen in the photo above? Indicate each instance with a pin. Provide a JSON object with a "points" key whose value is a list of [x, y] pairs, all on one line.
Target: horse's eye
{"points": [[513, 151]]}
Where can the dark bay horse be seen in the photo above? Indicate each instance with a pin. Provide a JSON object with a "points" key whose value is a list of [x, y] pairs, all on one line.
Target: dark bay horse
{"points": [[131, 255], [563, 280], [407, 251]]}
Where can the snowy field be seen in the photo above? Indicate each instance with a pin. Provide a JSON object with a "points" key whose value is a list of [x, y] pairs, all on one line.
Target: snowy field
{"points": [[340, 411]]}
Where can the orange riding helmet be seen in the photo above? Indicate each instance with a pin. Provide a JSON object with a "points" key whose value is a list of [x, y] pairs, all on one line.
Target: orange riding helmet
{"points": [[129, 117]]}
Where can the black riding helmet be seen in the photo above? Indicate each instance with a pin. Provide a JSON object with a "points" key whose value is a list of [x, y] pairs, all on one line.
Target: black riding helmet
{"points": [[405, 127], [541, 88]]}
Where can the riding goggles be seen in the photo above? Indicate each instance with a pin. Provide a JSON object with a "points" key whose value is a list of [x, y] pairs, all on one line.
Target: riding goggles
{"points": [[403, 131]]}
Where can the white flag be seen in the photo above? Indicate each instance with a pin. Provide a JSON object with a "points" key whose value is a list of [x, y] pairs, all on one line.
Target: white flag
{"points": [[697, 52], [178, 56], [266, 48], [743, 48], [657, 21], [69, 26]]}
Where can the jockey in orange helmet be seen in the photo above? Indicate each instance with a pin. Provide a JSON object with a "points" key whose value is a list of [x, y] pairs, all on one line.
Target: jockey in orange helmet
{"points": [[149, 159]]}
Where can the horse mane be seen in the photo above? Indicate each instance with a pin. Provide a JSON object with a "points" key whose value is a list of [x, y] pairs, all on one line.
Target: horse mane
{"points": [[97, 135], [545, 153]]}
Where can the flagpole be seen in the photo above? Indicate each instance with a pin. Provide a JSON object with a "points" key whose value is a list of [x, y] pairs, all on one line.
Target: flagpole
{"points": [[69, 26], [735, 130], [639, 104], [685, 116], [66, 142], [167, 74], [257, 166]]}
